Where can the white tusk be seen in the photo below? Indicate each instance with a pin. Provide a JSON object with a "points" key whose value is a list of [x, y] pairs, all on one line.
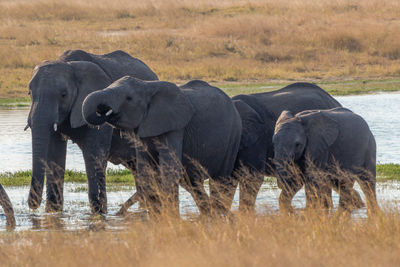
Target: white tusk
{"points": [[55, 127], [98, 128], [26, 127], [98, 114], [109, 112]]}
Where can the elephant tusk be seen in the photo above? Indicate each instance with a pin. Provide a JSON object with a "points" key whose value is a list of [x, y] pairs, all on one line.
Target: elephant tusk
{"points": [[98, 114], [55, 127], [109, 112], [26, 127]]}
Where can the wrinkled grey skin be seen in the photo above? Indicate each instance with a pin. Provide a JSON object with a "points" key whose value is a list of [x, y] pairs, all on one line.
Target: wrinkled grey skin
{"points": [[7, 207], [323, 140], [259, 113], [57, 90], [177, 125]]}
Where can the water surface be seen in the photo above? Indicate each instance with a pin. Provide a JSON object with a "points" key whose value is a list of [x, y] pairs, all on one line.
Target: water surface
{"points": [[381, 111]]}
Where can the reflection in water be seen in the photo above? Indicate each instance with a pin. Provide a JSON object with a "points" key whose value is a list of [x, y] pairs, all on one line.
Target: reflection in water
{"points": [[77, 216]]}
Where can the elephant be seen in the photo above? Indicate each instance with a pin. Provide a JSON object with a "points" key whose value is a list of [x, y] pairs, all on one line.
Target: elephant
{"points": [[57, 90], [7, 207], [194, 128], [330, 148], [259, 113]]}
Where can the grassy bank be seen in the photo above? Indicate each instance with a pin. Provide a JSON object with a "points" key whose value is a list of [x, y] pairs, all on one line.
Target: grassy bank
{"points": [[123, 177], [252, 41], [348, 87], [113, 177]]}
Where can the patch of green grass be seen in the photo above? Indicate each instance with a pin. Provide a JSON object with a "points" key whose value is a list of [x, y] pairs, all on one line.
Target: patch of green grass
{"points": [[117, 178], [389, 171], [15, 102], [21, 178], [351, 87]]}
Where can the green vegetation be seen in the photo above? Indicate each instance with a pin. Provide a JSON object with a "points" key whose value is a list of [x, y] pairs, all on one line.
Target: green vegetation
{"points": [[389, 171], [353, 87], [117, 178], [21, 178]]}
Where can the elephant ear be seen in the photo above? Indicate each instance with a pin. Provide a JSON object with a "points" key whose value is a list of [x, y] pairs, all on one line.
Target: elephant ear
{"points": [[284, 117], [168, 110], [322, 131], [88, 78], [253, 126]]}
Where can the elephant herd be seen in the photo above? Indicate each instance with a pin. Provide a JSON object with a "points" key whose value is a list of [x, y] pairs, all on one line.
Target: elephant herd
{"points": [[115, 109]]}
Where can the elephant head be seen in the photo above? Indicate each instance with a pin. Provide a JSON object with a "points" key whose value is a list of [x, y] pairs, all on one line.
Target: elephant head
{"points": [[305, 136], [57, 90], [150, 107]]}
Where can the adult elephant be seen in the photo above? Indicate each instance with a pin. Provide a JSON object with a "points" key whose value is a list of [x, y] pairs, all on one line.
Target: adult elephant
{"points": [[57, 90], [194, 125], [331, 148], [259, 113]]}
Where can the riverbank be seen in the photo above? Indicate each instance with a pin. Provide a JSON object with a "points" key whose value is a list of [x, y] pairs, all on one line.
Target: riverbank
{"points": [[336, 88], [385, 172]]}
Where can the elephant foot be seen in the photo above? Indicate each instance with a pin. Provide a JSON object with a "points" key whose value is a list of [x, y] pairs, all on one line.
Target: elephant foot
{"points": [[124, 207]]}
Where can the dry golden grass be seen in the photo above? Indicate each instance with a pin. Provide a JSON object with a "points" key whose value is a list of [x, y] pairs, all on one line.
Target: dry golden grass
{"points": [[225, 40], [273, 240]]}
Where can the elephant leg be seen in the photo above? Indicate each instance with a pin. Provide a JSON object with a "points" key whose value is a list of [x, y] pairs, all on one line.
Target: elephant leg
{"points": [[199, 195], [289, 190], [7, 207], [349, 198], [248, 191], [368, 186], [171, 169], [95, 147], [55, 173], [222, 191], [131, 201], [318, 195], [252, 162], [96, 173]]}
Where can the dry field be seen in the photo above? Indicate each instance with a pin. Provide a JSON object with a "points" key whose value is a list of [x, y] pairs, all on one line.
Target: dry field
{"points": [[253, 40], [250, 41], [302, 240]]}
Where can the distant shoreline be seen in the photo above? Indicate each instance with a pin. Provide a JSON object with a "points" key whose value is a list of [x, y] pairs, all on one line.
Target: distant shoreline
{"points": [[336, 88]]}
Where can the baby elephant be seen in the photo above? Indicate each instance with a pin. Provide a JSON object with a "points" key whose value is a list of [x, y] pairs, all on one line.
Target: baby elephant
{"points": [[330, 149]]}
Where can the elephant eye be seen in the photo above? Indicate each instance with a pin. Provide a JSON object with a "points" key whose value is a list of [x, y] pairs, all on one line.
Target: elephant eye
{"points": [[63, 94], [129, 98]]}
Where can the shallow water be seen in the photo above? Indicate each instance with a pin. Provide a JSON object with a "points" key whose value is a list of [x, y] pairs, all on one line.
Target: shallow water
{"points": [[76, 214], [380, 111], [15, 154]]}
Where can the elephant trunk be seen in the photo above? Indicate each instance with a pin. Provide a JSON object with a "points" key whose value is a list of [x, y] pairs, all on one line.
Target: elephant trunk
{"points": [[43, 122], [96, 108], [7, 207], [288, 180]]}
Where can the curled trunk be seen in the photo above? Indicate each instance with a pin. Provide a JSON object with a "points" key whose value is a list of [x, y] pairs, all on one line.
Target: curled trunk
{"points": [[94, 108]]}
